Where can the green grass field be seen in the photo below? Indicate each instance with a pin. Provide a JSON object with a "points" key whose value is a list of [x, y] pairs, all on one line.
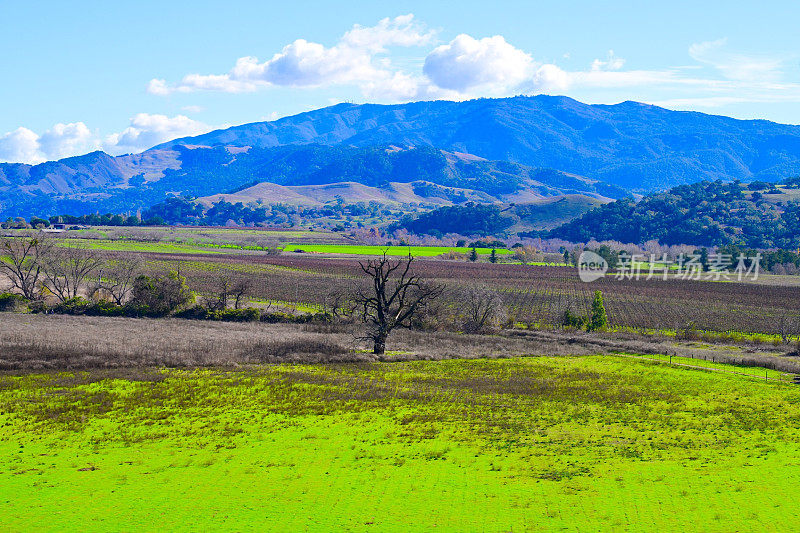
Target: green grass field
{"points": [[155, 247], [205, 248], [580, 444], [354, 249]]}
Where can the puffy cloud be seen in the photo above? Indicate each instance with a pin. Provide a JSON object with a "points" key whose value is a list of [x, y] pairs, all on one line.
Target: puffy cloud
{"points": [[20, 146], [304, 63], [466, 63], [62, 140], [65, 140], [469, 66], [147, 130]]}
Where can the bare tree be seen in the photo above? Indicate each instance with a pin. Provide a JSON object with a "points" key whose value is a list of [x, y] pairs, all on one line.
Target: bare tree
{"points": [[229, 290], [482, 308], [66, 268], [393, 300], [21, 261], [218, 301], [117, 278], [240, 290], [788, 327], [338, 303]]}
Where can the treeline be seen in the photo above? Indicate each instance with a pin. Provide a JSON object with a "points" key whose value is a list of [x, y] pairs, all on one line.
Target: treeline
{"points": [[108, 219], [703, 214], [186, 211]]}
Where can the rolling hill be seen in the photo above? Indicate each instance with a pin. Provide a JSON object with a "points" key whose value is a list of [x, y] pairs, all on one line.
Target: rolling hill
{"points": [[98, 181]]}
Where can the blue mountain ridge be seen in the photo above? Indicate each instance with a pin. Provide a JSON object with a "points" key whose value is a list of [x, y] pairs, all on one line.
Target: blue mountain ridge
{"points": [[633, 146]]}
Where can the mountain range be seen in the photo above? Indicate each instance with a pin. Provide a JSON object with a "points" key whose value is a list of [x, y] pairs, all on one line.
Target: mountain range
{"points": [[509, 149]]}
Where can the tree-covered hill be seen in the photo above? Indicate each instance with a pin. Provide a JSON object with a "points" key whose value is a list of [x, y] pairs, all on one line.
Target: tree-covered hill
{"points": [[470, 219], [709, 213]]}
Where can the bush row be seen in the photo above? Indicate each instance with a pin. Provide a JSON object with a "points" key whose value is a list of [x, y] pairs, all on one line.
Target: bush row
{"points": [[81, 306]]}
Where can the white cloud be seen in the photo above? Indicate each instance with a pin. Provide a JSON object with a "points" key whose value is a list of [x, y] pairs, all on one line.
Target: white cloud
{"points": [[551, 78], [65, 140], [404, 87], [467, 63], [159, 87], [304, 63], [399, 31], [734, 66], [20, 146], [62, 140], [147, 130], [611, 62], [193, 108], [468, 66]]}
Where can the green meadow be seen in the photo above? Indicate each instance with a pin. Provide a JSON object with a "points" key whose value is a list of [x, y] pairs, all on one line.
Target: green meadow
{"points": [[579, 444], [210, 248], [417, 251], [136, 246]]}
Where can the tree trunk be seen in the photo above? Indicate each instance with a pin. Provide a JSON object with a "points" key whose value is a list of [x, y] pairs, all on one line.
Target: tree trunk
{"points": [[380, 344]]}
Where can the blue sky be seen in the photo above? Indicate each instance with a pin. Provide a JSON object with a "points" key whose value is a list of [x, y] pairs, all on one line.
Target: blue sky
{"points": [[123, 76]]}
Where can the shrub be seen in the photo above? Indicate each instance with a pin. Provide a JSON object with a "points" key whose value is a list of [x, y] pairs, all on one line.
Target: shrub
{"points": [[688, 332], [573, 321], [72, 306], [274, 318], [226, 315], [12, 302], [81, 306], [162, 295]]}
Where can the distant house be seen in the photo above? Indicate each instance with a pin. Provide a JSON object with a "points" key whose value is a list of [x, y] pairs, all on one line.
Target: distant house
{"points": [[61, 226]]}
